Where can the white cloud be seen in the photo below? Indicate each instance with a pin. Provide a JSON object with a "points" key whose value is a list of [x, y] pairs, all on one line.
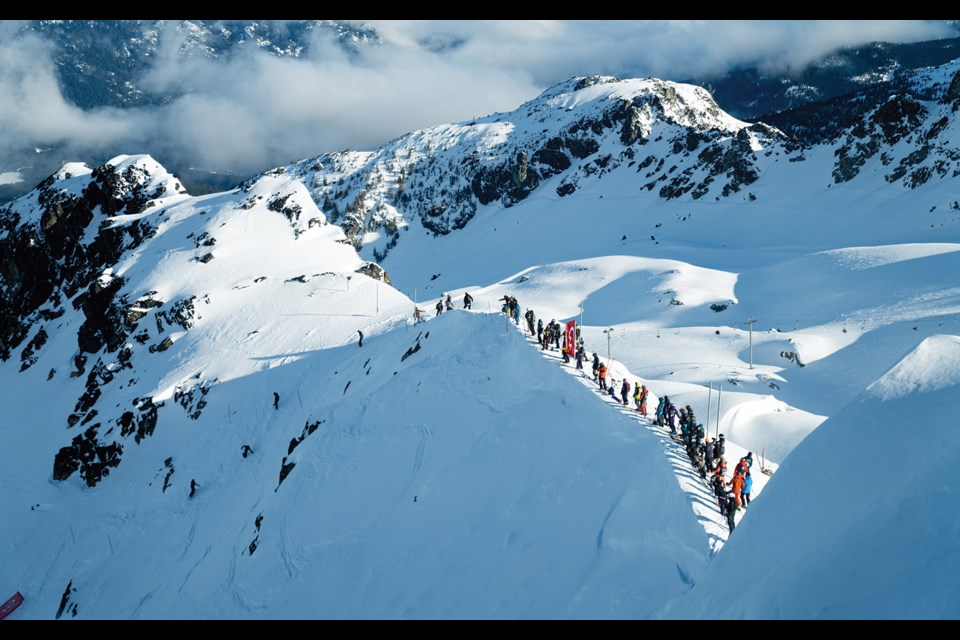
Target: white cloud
{"points": [[250, 110]]}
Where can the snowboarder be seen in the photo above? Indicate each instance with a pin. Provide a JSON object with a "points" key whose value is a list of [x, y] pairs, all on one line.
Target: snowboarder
{"points": [[643, 399], [602, 374], [625, 391], [276, 400], [361, 337], [193, 487], [245, 450], [596, 366], [439, 306], [747, 488], [467, 300]]}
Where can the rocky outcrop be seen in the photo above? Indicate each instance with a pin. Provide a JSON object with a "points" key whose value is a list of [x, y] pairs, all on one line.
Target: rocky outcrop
{"points": [[375, 271], [47, 258]]}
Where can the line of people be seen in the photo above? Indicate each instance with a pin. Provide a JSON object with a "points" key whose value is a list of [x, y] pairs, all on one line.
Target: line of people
{"points": [[707, 455]]}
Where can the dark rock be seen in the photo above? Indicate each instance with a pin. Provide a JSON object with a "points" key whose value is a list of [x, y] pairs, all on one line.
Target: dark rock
{"points": [[375, 271], [166, 344], [206, 258], [285, 469]]}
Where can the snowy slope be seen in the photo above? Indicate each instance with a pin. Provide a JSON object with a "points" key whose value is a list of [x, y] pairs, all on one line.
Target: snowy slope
{"points": [[468, 479], [861, 521], [144, 332]]}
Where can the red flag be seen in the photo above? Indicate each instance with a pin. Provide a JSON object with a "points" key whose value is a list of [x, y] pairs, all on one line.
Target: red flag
{"points": [[10, 605], [572, 338]]}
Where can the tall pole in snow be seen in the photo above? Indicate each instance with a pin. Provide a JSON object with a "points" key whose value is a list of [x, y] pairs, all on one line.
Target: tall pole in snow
{"points": [[709, 401], [719, 394], [750, 324], [609, 332]]}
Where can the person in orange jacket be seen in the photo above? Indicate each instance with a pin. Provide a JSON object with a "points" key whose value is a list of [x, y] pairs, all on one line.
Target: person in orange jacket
{"points": [[737, 485], [602, 374]]}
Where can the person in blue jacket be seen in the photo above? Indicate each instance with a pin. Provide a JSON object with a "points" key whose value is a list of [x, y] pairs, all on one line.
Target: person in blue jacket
{"points": [[747, 488]]}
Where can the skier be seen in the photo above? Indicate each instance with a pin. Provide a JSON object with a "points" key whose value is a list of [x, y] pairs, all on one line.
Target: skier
{"points": [[556, 333], [602, 374], [245, 450], [708, 454], [720, 447], [449, 303], [736, 483], [662, 410], [361, 337], [580, 355], [467, 300], [625, 391], [747, 488], [439, 306], [643, 399], [418, 316], [723, 500], [748, 459], [193, 487], [596, 366], [731, 515], [276, 400], [540, 330]]}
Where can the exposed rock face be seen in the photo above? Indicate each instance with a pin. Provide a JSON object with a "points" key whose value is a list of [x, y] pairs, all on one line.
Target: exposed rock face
{"points": [[44, 261], [577, 131], [375, 271], [59, 243]]}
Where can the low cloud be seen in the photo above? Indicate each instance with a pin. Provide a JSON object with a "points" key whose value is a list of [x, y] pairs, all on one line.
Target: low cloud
{"points": [[248, 110]]}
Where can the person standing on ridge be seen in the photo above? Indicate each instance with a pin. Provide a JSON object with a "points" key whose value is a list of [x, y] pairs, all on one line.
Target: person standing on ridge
{"points": [[747, 488], [625, 392], [467, 300], [643, 399], [439, 306], [602, 373], [596, 366]]}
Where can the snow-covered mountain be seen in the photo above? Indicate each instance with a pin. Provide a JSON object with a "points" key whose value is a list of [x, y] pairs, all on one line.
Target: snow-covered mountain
{"points": [[101, 63], [753, 93], [151, 338]]}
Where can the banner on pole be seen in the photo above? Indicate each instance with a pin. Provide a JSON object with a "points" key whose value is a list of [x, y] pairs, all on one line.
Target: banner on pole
{"points": [[572, 338]]}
